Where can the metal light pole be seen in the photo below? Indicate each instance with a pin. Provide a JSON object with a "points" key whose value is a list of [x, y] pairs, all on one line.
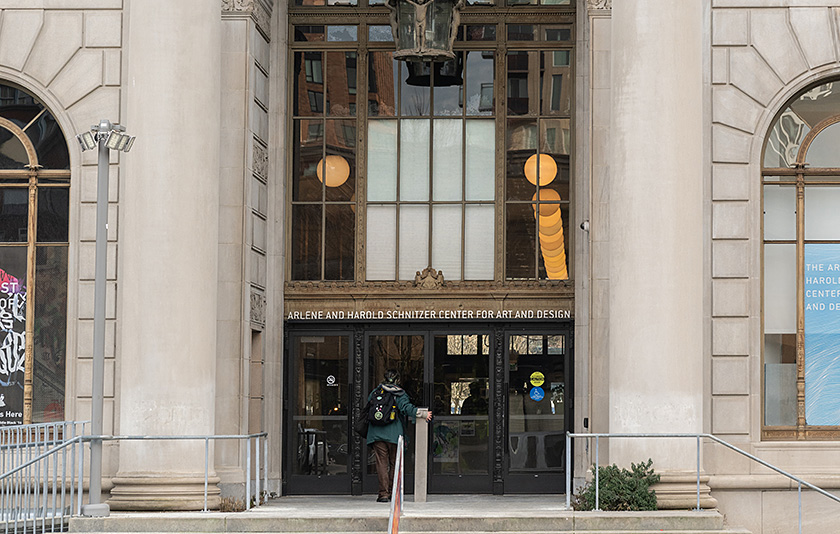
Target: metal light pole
{"points": [[108, 137]]}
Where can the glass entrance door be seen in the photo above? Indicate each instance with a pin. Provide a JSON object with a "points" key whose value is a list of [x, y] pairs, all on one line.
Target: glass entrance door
{"points": [[539, 413], [319, 384], [459, 458]]}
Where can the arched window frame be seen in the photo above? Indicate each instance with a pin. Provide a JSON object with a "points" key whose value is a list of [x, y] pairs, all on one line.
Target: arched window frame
{"points": [[33, 177], [801, 177]]}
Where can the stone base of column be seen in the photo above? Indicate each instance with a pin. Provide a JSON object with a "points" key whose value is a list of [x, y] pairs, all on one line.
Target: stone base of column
{"points": [[144, 492], [678, 491]]}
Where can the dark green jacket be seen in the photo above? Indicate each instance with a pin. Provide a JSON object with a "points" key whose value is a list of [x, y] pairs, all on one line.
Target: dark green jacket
{"points": [[392, 431]]}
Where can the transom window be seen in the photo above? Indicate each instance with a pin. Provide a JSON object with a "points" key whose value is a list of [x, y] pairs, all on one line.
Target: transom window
{"points": [[801, 195], [34, 207], [462, 166]]}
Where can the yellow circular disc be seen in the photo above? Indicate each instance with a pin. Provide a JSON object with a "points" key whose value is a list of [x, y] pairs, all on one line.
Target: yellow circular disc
{"points": [[546, 196], [337, 170], [537, 378], [547, 170]]}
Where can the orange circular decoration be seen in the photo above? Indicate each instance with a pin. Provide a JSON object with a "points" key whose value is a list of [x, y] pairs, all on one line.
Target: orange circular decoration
{"points": [[547, 195], [547, 169], [338, 170]]}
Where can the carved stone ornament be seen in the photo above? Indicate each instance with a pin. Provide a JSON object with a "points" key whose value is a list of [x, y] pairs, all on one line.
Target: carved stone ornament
{"points": [[257, 307], [238, 5], [599, 4], [260, 160], [429, 279], [260, 12]]}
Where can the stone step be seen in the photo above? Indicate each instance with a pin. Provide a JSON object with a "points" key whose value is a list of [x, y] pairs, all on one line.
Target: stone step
{"points": [[471, 521]]}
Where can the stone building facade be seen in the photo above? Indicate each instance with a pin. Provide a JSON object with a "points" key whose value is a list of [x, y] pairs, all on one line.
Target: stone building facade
{"points": [[676, 311]]}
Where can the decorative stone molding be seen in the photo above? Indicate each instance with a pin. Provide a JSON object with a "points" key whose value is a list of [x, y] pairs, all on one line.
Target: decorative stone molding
{"points": [[429, 279], [258, 305], [260, 11], [260, 161], [599, 4]]}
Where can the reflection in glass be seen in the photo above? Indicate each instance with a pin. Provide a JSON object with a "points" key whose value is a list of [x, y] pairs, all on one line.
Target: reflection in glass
{"points": [[414, 100], [383, 80], [339, 242], [822, 218], [341, 84], [460, 429], [556, 85], [521, 145], [823, 150], [53, 214], [414, 239], [12, 152], [517, 81], [320, 407], [536, 401], [49, 142], [50, 348], [483, 32], [308, 90], [306, 242], [307, 153], [554, 247], [448, 86], [520, 237], [381, 242], [342, 33], [380, 34], [341, 142], [14, 209], [479, 88]]}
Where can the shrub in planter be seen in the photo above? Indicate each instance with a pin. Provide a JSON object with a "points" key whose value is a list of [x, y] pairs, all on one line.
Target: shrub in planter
{"points": [[620, 489]]}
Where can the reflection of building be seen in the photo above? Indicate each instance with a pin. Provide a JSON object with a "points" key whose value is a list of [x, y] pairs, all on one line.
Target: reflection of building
{"points": [[345, 212]]}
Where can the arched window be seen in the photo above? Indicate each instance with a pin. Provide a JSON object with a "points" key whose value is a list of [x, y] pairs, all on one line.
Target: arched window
{"points": [[801, 257], [34, 205]]}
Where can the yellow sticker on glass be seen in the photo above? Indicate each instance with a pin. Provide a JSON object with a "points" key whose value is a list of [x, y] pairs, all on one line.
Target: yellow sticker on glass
{"points": [[537, 378]]}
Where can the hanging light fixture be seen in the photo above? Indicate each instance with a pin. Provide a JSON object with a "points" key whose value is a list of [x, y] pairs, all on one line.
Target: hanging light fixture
{"points": [[336, 169], [424, 29]]}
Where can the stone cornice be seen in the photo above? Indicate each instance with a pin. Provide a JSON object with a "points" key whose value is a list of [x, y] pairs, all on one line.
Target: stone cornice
{"points": [[259, 10], [599, 4]]}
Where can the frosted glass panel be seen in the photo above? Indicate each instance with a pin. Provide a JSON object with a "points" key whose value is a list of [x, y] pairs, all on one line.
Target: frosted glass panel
{"points": [[381, 242], [779, 393], [822, 218], [446, 240], [446, 155], [382, 160], [481, 160], [823, 150], [779, 212], [479, 230], [414, 240], [780, 289], [414, 160]]}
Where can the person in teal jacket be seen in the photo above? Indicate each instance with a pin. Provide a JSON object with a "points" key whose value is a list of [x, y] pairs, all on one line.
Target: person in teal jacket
{"points": [[383, 438]]}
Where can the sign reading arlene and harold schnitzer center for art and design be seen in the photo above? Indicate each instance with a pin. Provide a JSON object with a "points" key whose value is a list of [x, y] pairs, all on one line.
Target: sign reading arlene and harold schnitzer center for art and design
{"points": [[426, 315], [822, 334]]}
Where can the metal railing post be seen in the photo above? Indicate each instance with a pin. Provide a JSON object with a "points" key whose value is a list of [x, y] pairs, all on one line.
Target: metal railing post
{"points": [[265, 464], [568, 471], [698, 473], [248, 471], [257, 474], [800, 507], [206, 469], [597, 479]]}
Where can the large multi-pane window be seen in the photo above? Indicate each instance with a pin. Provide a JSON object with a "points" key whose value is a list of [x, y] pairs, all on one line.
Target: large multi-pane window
{"points": [[34, 207], [462, 165], [801, 192]]}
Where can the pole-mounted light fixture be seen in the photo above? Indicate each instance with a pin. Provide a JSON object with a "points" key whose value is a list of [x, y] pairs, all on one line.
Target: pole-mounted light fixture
{"points": [[424, 30], [106, 136]]}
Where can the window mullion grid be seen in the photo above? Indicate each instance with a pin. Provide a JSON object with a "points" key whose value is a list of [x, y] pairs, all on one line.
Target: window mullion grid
{"points": [[800, 305]]}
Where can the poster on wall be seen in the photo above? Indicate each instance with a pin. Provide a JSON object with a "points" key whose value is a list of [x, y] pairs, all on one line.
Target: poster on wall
{"points": [[12, 348], [822, 334]]}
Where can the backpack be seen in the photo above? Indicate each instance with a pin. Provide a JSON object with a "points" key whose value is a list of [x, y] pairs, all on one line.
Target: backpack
{"points": [[383, 409]]}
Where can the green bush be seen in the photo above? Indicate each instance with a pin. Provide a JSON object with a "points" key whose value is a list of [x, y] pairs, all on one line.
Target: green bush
{"points": [[620, 489]]}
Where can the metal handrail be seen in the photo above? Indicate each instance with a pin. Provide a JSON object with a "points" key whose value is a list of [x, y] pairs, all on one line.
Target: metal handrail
{"points": [[207, 439], [698, 437]]}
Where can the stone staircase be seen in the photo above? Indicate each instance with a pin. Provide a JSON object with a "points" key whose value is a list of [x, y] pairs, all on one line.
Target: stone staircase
{"points": [[449, 515]]}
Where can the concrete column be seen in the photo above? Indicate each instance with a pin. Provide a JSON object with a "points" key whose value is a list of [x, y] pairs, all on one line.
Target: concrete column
{"points": [[656, 238], [168, 257]]}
